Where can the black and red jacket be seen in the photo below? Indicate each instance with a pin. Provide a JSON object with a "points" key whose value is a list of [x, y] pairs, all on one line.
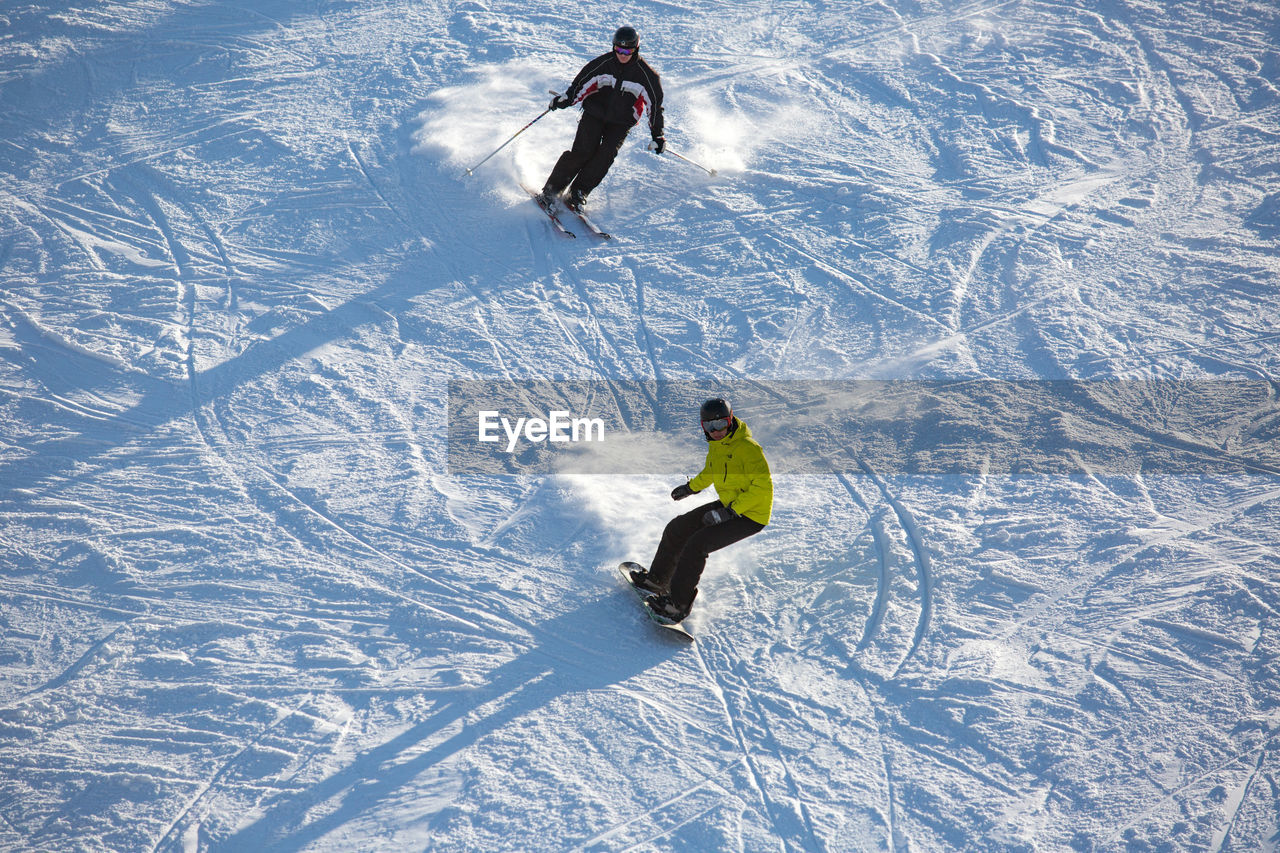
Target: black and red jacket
{"points": [[619, 92]]}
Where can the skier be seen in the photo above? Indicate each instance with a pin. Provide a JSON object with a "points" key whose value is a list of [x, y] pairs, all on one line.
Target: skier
{"points": [[615, 90], [736, 466]]}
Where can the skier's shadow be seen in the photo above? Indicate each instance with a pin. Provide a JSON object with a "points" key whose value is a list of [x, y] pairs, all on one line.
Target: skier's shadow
{"points": [[600, 644]]}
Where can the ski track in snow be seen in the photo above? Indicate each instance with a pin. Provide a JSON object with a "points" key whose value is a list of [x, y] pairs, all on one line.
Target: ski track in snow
{"points": [[247, 604]]}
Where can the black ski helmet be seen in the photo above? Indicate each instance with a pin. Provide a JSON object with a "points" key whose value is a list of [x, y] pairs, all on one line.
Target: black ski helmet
{"points": [[713, 410], [626, 37]]}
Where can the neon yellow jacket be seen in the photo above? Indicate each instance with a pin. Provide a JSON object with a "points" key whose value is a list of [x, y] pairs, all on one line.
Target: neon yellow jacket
{"points": [[737, 468]]}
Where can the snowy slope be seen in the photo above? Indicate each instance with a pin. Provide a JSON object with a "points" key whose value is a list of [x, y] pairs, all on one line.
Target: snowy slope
{"points": [[247, 603]]}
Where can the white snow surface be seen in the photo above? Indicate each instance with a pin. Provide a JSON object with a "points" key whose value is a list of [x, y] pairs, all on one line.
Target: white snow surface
{"points": [[246, 605]]}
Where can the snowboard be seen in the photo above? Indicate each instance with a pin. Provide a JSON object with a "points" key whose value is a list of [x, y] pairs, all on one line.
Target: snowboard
{"points": [[624, 569]]}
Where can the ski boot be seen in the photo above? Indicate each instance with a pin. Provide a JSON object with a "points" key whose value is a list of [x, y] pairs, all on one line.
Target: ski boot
{"points": [[547, 198]]}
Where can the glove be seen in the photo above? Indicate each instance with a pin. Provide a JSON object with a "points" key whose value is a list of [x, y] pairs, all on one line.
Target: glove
{"points": [[659, 144], [681, 492], [559, 102], [719, 515]]}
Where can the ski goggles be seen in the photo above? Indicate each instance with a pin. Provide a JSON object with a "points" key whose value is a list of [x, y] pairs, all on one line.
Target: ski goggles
{"points": [[623, 51], [717, 425]]}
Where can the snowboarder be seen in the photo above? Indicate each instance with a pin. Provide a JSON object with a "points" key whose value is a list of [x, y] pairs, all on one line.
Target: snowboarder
{"points": [[615, 90], [736, 466]]}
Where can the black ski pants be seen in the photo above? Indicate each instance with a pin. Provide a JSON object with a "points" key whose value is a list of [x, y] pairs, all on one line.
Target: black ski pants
{"points": [[595, 145], [682, 553]]}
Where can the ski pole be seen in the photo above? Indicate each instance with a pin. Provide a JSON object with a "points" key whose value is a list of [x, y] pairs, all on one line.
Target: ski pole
{"points": [[679, 156], [509, 141]]}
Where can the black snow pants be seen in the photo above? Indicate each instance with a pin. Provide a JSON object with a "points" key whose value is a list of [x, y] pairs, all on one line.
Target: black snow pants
{"points": [[595, 145], [682, 553]]}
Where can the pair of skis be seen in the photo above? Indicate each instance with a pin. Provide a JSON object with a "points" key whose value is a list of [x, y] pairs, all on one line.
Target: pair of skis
{"points": [[552, 210]]}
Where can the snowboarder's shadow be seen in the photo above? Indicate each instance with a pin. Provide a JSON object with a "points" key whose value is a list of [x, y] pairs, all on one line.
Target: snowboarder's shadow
{"points": [[600, 644]]}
